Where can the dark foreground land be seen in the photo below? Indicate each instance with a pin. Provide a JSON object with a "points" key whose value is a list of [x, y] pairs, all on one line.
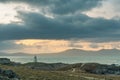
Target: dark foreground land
{"points": [[60, 71]]}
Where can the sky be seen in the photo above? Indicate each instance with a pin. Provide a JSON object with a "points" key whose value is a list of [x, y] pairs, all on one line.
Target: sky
{"points": [[50, 26]]}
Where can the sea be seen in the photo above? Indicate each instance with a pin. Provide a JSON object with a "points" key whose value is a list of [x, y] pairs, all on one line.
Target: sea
{"points": [[66, 59]]}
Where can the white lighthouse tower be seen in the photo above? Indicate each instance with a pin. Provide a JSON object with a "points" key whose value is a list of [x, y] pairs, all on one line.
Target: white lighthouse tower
{"points": [[35, 59]]}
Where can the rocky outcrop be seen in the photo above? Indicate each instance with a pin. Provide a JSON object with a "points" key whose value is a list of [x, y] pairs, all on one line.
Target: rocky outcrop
{"points": [[8, 75], [6, 61], [101, 68], [94, 68], [107, 69]]}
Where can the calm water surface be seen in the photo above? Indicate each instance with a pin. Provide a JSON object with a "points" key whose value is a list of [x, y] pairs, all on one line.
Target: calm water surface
{"points": [[67, 59]]}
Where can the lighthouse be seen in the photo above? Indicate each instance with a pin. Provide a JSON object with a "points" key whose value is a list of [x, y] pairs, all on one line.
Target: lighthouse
{"points": [[35, 59]]}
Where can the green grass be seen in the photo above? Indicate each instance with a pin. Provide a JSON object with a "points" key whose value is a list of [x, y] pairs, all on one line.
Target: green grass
{"points": [[30, 74]]}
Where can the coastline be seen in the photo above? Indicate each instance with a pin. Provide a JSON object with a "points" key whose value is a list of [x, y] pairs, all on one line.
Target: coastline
{"points": [[60, 71]]}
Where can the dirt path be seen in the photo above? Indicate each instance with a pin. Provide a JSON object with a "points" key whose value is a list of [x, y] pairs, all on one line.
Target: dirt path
{"points": [[89, 78]]}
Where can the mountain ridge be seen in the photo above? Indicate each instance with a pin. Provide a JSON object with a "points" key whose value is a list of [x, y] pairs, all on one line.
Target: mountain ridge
{"points": [[66, 52]]}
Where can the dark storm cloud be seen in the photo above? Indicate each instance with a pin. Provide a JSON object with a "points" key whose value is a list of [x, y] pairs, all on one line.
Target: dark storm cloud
{"points": [[75, 25], [80, 26], [71, 6], [61, 6]]}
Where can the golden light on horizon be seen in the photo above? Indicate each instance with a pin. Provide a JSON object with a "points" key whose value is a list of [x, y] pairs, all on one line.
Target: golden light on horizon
{"points": [[44, 46], [53, 46]]}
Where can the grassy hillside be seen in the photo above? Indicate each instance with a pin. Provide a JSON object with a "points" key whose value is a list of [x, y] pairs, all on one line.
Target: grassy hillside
{"points": [[32, 74]]}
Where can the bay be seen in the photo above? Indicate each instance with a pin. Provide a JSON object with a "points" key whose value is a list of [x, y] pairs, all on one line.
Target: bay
{"points": [[66, 59]]}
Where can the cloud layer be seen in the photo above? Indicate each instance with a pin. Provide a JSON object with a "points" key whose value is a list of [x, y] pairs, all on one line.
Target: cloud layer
{"points": [[61, 20], [80, 26]]}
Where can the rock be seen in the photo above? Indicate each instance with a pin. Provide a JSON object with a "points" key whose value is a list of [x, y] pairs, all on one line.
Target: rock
{"points": [[4, 61], [8, 75], [103, 69]]}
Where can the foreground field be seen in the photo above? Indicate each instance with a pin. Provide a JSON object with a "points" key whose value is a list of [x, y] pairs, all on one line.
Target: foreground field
{"points": [[31, 74]]}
